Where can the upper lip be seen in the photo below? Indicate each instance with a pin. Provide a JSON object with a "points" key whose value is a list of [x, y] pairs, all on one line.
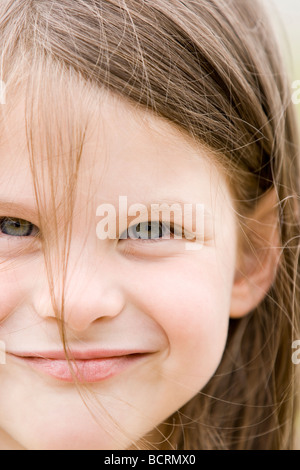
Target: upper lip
{"points": [[87, 354]]}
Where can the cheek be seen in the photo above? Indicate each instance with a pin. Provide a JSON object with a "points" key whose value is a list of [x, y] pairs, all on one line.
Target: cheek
{"points": [[16, 282], [192, 305], [10, 293], [197, 318]]}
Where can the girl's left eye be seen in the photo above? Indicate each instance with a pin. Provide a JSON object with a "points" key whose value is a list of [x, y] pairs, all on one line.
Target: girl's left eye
{"points": [[15, 227], [150, 230]]}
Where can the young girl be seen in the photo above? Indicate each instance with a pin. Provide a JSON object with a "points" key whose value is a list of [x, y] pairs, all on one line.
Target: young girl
{"points": [[151, 341]]}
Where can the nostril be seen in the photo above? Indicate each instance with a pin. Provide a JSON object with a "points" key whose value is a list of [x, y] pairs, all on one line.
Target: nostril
{"points": [[92, 305]]}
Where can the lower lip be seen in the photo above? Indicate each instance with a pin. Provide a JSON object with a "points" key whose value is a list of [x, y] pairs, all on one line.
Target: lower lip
{"points": [[87, 371]]}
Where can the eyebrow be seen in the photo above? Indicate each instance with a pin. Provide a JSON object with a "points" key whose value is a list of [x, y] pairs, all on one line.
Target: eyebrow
{"points": [[19, 210]]}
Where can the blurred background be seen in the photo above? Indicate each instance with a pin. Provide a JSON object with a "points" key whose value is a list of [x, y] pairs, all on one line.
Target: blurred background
{"points": [[287, 20]]}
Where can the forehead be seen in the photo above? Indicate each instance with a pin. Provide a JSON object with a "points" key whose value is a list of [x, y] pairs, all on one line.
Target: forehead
{"points": [[123, 149]]}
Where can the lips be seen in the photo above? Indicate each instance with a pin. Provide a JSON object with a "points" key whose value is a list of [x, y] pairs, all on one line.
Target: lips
{"points": [[85, 366]]}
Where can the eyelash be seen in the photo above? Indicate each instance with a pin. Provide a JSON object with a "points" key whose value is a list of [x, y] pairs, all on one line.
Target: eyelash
{"points": [[21, 222], [170, 227]]}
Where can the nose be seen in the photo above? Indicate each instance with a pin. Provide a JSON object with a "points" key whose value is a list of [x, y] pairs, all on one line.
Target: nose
{"points": [[91, 293]]}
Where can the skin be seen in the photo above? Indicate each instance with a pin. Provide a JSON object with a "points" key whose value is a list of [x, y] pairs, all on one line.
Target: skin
{"points": [[120, 293]]}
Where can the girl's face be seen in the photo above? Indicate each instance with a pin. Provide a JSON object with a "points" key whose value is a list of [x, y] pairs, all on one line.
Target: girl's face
{"points": [[146, 320]]}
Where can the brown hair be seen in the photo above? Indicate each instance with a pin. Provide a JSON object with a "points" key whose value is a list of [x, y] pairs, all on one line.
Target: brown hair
{"points": [[212, 68]]}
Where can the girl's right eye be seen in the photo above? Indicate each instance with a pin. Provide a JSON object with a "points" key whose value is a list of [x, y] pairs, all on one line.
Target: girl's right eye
{"points": [[15, 227]]}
